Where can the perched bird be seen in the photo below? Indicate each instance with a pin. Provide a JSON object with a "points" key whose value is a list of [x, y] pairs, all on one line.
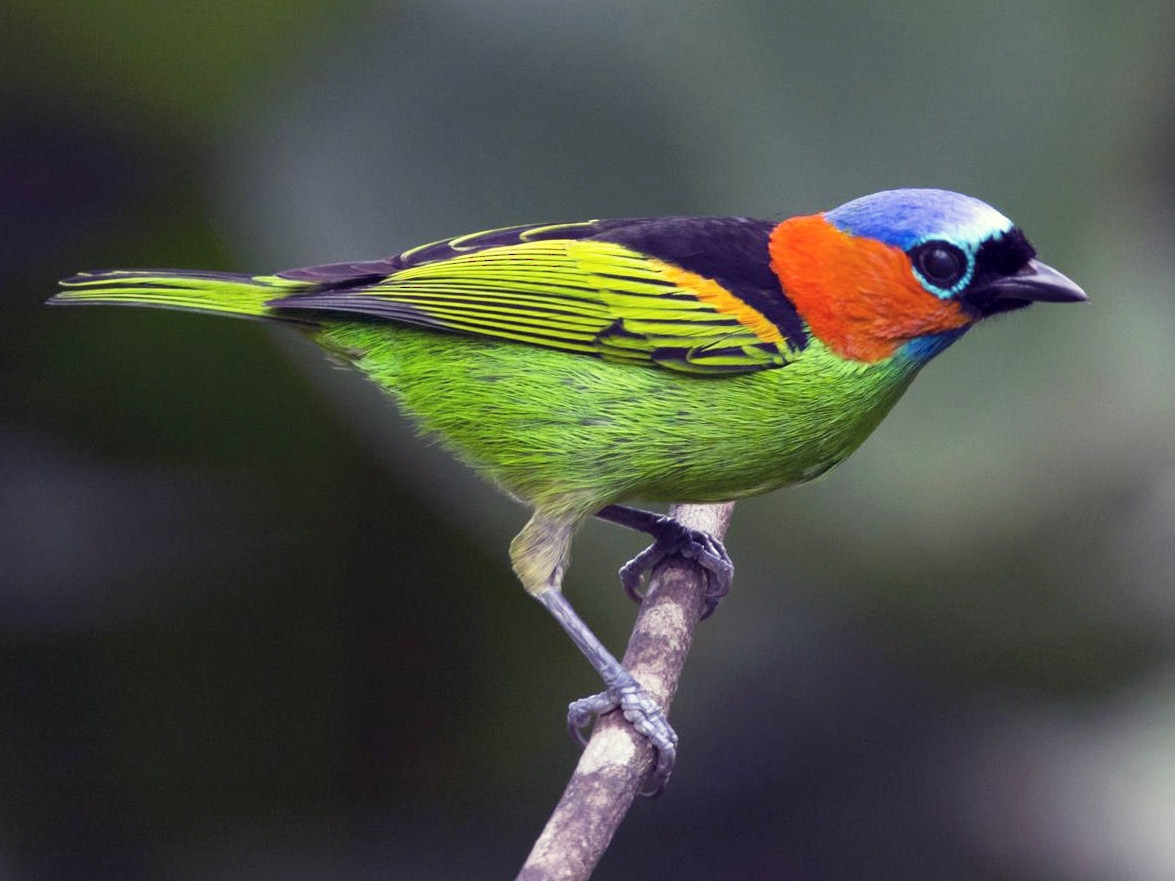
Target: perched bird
{"points": [[675, 359]]}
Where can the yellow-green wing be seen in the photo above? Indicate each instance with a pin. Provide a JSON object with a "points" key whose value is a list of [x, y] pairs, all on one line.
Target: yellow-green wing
{"points": [[586, 296]]}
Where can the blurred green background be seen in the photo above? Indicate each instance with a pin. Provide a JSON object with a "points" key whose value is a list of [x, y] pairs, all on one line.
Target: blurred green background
{"points": [[250, 627]]}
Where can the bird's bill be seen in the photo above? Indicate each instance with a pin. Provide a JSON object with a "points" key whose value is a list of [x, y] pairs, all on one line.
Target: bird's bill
{"points": [[1037, 282]]}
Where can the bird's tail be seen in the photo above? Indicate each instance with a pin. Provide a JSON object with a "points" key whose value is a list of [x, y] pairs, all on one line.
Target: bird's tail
{"points": [[224, 293]]}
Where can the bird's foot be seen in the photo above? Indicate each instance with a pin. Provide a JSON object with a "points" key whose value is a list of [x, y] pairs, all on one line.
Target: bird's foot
{"points": [[646, 718], [693, 544]]}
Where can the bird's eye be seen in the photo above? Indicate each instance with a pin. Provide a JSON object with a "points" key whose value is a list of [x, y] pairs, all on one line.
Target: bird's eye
{"points": [[940, 263]]}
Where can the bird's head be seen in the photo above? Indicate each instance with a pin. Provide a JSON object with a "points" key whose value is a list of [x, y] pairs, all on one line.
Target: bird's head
{"points": [[908, 271]]}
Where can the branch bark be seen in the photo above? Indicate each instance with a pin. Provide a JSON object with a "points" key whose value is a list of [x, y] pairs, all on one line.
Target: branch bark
{"points": [[614, 763]]}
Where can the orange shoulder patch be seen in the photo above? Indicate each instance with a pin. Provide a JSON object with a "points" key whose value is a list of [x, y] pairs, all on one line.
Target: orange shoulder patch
{"points": [[713, 294]]}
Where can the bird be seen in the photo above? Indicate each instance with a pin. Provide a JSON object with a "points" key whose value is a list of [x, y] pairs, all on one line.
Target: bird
{"points": [[580, 366]]}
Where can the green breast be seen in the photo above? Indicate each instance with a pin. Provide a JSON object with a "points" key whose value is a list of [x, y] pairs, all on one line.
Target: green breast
{"points": [[573, 432]]}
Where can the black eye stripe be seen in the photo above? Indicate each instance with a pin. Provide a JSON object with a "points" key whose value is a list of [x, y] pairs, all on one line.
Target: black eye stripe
{"points": [[1004, 254], [942, 264]]}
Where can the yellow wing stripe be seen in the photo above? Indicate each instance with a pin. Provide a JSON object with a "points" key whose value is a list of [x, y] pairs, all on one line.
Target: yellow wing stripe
{"points": [[493, 318], [469, 308], [713, 294], [581, 295]]}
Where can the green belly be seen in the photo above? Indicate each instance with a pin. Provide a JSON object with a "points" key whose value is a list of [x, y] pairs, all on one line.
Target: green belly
{"points": [[571, 432]]}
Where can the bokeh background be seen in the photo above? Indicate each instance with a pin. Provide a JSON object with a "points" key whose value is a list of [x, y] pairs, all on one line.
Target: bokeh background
{"points": [[251, 628]]}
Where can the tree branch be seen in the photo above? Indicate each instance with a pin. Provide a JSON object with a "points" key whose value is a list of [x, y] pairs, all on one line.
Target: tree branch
{"points": [[616, 759]]}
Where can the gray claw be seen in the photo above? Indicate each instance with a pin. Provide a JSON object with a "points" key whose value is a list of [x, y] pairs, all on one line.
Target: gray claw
{"points": [[646, 718], [583, 712], [633, 572], [693, 544]]}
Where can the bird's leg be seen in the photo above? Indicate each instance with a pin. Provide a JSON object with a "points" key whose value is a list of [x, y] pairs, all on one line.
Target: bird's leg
{"points": [[670, 537], [622, 692], [539, 554]]}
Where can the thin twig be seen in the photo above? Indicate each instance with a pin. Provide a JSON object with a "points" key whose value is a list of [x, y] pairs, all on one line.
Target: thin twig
{"points": [[616, 759]]}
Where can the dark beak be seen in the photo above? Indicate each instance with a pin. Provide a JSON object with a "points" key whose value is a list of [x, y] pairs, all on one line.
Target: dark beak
{"points": [[1036, 282]]}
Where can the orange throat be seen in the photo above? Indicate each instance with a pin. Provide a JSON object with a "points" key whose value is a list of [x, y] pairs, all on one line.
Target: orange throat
{"points": [[858, 295]]}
